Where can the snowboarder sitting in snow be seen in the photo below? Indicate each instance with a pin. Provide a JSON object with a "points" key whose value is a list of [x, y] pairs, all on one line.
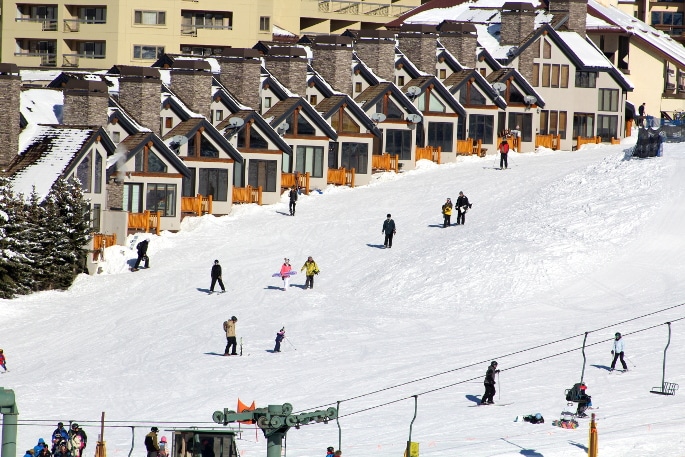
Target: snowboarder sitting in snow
{"points": [[3, 360], [489, 382], [447, 213], [142, 255], [279, 337], [312, 269]]}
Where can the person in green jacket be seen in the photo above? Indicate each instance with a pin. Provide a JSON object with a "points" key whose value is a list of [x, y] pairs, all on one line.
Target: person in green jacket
{"points": [[312, 269]]}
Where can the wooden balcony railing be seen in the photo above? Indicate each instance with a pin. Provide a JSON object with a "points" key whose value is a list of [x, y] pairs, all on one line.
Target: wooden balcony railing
{"points": [[145, 221], [101, 242], [385, 162], [197, 205], [615, 140], [469, 147], [514, 142], [429, 153], [247, 194], [581, 140], [341, 176], [288, 180], [548, 141]]}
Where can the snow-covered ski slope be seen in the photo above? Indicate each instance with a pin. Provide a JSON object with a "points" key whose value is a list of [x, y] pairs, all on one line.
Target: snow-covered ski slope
{"points": [[560, 244]]}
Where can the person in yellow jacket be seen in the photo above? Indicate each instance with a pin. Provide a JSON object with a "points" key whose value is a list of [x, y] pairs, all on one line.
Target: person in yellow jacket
{"points": [[312, 269], [447, 213]]}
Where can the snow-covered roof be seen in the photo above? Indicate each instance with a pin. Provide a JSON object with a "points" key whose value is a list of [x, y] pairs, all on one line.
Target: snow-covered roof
{"points": [[586, 52], [488, 37], [278, 31], [28, 76], [213, 63], [55, 147], [42, 106], [479, 12], [639, 29]]}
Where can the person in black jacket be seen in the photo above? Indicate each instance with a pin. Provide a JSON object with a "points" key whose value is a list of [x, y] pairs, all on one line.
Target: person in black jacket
{"points": [[462, 206], [293, 200], [389, 230], [142, 255], [489, 382], [216, 276], [151, 444]]}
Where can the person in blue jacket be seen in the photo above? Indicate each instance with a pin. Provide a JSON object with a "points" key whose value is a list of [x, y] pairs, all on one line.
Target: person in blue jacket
{"points": [[39, 447], [58, 436], [29, 453]]}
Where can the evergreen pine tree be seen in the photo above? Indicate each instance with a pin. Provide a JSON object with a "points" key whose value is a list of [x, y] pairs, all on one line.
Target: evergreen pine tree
{"points": [[15, 264], [38, 241]]}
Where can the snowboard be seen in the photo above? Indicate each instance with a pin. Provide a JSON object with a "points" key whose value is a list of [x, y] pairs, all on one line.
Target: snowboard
{"points": [[491, 404], [278, 275]]}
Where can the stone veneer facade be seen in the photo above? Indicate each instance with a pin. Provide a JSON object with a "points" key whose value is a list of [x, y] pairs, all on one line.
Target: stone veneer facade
{"points": [[577, 14], [462, 45], [115, 193], [378, 54], [241, 74], [86, 103], [10, 85], [419, 47], [525, 61], [194, 87], [291, 71], [140, 97], [516, 25], [333, 62]]}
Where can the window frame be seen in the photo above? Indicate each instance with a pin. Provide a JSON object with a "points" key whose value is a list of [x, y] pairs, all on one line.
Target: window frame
{"points": [[139, 14]]}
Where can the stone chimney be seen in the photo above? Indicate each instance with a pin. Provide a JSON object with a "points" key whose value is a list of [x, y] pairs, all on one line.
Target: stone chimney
{"points": [[289, 65], [191, 80], [576, 12], [518, 21], [241, 74], [376, 48], [10, 86], [139, 94], [85, 103], [419, 44], [461, 40], [333, 61]]}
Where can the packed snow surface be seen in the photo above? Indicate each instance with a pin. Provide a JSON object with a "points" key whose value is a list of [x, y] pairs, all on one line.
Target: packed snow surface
{"points": [[560, 244]]}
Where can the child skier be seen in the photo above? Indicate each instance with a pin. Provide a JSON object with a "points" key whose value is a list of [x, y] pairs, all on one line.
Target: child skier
{"points": [[3, 361], [279, 337], [617, 352], [285, 273]]}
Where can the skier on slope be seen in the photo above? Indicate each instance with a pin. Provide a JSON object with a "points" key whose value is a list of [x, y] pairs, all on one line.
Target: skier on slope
{"points": [[280, 336], [231, 342], [503, 152], [462, 205], [292, 195], [216, 276], [489, 382], [389, 230], [3, 360], [285, 273], [447, 213], [312, 269], [617, 352]]}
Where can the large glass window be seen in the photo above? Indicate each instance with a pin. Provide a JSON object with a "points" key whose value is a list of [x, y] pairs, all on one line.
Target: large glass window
{"points": [[608, 100], [263, 173], [553, 123], [583, 124], [149, 17], [250, 138], [92, 49], [309, 159], [162, 198], [332, 154], [188, 184], [214, 182], [607, 127], [389, 108], [347, 124], [155, 164], [586, 79], [522, 122], [98, 173], [84, 171], [481, 127], [441, 134], [96, 217], [355, 155], [145, 52], [93, 14], [133, 198], [398, 142]]}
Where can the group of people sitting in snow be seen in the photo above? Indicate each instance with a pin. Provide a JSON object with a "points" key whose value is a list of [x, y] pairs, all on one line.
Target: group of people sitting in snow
{"points": [[65, 443]]}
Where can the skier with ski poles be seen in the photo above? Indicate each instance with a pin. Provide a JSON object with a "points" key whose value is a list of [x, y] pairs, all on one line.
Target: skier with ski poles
{"points": [[280, 335], [617, 352], [488, 396]]}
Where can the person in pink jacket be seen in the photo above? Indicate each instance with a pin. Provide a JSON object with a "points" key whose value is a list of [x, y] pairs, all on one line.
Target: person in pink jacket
{"points": [[285, 273]]}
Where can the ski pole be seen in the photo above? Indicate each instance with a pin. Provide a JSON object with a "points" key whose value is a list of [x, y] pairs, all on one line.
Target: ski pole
{"points": [[631, 362], [288, 340]]}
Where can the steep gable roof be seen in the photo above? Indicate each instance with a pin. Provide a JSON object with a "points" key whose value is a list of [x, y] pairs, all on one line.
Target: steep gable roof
{"points": [[134, 143], [50, 152], [189, 127], [284, 108], [373, 94], [264, 127], [329, 106], [423, 82], [459, 79], [504, 74]]}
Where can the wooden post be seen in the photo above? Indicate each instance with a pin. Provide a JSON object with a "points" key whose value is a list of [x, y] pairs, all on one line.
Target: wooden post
{"points": [[592, 445], [259, 195], [101, 446]]}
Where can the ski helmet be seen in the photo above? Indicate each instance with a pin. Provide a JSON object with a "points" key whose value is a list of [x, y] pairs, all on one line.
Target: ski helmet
{"points": [[388, 215], [154, 429], [216, 261], [493, 363], [618, 335], [234, 319]]}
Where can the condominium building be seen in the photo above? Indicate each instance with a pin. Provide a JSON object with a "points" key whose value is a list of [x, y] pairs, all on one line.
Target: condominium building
{"points": [[664, 15], [99, 34]]}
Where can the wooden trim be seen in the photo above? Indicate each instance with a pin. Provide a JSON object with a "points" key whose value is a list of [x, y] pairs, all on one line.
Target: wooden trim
{"points": [[207, 159], [355, 135], [259, 151], [321, 138], [438, 114], [155, 175]]}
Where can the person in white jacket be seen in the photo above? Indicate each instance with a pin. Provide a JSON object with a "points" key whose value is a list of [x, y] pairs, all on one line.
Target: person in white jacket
{"points": [[618, 352]]}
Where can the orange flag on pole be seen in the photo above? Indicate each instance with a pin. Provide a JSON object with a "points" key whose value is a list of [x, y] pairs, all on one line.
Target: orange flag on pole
{"points": [[242, 407]]}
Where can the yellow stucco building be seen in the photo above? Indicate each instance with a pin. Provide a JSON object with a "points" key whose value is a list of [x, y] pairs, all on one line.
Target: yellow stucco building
{"points": [[98, 34]]}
